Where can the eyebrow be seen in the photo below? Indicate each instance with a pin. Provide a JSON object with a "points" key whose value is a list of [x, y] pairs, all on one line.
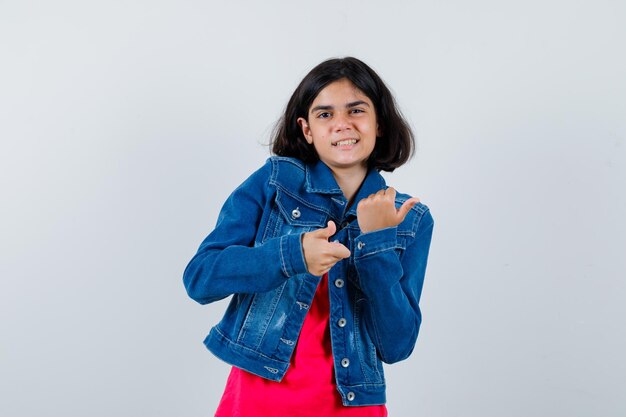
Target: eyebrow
{"points": [[349, 105]]}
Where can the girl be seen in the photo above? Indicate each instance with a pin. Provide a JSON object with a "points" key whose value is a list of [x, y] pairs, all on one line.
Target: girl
{"points": [[325, 263]]}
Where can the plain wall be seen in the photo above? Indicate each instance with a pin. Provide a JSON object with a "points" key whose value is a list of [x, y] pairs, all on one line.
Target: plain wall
{"points": [[124, 125]]}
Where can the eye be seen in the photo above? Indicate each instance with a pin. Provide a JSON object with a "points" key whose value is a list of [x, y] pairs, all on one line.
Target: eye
{"points": [[357, 111], [323, 115]]}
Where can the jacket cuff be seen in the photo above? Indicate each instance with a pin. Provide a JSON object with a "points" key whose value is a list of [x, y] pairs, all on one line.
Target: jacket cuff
{"points": [[374, 242], [291, 256]]}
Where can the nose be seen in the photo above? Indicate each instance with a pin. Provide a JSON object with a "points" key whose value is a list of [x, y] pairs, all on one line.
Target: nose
{"points": [[342, 122]]}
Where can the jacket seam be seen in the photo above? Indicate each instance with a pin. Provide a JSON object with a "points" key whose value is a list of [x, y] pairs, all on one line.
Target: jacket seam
{"points": [[243, 347]]}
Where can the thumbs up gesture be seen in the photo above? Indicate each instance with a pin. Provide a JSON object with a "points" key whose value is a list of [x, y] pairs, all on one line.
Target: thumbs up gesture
{"points": [[378, 211], [320, 254]]}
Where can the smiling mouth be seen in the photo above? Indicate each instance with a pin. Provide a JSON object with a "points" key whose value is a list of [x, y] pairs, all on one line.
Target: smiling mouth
{"points": [[345, 142]]}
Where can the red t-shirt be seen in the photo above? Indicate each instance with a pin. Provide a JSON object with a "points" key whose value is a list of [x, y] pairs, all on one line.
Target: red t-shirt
{"points": [[308, 388]]}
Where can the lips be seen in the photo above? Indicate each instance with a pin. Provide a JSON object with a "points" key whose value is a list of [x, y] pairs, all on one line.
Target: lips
{"points": [[345, 142]]}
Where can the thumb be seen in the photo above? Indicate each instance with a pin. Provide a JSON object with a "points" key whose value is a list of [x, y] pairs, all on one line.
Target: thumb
{"points": [[406, 207], [328, 231]]}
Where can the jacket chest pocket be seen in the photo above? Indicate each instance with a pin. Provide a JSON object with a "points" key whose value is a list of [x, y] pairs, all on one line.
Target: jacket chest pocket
{"points": [[291, 215]]}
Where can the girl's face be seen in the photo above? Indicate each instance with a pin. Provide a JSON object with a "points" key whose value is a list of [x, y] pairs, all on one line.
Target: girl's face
{"points": [[341, 126]]}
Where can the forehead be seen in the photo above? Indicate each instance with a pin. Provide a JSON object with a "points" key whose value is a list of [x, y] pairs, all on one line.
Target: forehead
{"points": [[339, 93]]}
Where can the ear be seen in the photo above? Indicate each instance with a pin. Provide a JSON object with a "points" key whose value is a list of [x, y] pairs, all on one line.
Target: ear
{"points": [[306, 130], [378, 131]]}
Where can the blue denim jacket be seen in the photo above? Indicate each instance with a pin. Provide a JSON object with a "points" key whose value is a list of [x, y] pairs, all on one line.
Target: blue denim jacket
{"points": [[255, 254]]}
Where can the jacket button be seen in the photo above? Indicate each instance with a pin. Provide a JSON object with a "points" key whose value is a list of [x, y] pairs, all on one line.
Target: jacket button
{"points": [[295, 213], [341, 322], [345, 362], [360, 245], [338, 283], [350, 396]]}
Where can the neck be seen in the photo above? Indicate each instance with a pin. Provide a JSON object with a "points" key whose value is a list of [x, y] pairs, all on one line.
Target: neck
{"points": [[349, 181]]}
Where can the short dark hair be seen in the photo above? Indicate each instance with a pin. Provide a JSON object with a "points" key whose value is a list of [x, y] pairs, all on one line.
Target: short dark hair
{"points": [[393, 148]]}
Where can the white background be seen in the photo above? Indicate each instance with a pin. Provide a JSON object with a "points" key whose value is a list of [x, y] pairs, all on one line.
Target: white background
{"points": [[125, 124]]}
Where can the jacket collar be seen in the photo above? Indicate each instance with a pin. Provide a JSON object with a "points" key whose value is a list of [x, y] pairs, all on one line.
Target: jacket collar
{"points": [[319, 179]]}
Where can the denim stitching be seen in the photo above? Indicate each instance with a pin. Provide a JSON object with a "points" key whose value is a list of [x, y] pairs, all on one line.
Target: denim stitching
{"points": [[272, 308], [282, 257], [366, 255], [297, 198], [357, 334], [281, 209]]}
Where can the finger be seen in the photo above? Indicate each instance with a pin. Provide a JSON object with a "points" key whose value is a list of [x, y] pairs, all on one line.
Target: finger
{"points": [[406, 207], [326, 266], [336, 247], [328, 231], [339, 251], [391, 193], [381, 192]]}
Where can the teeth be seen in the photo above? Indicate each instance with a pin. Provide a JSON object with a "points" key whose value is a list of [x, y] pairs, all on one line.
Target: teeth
{"points": [[346, 142]]}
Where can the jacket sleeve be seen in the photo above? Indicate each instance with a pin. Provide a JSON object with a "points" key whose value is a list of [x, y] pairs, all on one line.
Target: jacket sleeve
{"points": [[228, 262], [393, 286]]}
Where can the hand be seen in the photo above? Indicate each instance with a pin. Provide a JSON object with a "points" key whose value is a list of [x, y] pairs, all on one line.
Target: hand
{"points": [[378, 211], [320, 254]]}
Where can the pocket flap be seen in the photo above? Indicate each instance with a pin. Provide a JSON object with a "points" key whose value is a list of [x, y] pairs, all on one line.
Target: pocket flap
{"points": [[299, 213]]}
